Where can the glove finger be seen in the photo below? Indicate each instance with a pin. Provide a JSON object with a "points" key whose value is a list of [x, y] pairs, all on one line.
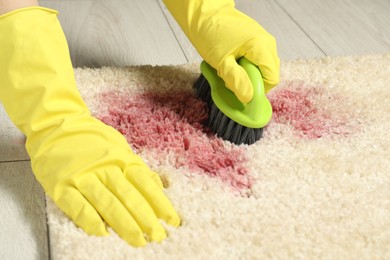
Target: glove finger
{"points": [[236, 79], [83, 214], [112, 210], [266, 58], [136, 204], [153, 194], [137, 161], [156, 178]]}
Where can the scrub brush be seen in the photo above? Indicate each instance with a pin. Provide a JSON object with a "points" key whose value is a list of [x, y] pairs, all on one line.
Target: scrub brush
{"points": [[229, 118]]}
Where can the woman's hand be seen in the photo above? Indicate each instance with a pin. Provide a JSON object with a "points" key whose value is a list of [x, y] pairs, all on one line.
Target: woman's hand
{"points": [[222, 34], [86, 167]]}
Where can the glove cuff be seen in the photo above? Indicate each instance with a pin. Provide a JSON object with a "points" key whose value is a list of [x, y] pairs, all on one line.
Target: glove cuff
{"points": [[27, 9], [189, 14], [37, 82]]}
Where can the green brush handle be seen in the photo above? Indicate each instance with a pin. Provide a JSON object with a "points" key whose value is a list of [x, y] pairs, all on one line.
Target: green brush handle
{"points": [[257, 113]]}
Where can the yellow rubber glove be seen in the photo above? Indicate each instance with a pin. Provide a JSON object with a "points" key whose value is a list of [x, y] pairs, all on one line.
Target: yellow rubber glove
{"points": [[222, 34], [85, 166]]}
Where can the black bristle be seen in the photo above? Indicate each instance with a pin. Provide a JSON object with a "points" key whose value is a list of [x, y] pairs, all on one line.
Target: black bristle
{"points": [[235, 135], [230, 130], [221, 121], [213, 114], [258, 133], [203, 90], [249, 134], [220, 124]]}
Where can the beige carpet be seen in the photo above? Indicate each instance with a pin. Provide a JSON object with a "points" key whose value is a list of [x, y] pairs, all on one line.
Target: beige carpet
{"points": [[317, 186]]}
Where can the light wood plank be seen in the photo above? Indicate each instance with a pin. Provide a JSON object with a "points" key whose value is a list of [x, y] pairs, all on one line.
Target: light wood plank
{"points": [[187, 47], [292, 42], [344, 27], [22, 216], [117, 33], [11, 140]]}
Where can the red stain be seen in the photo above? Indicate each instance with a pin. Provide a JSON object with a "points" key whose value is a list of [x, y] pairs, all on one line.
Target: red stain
{"points": [[297, 106], [172, 126]]}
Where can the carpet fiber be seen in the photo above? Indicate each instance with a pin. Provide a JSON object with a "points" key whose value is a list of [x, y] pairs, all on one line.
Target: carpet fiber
{"points": [[317, 185]]}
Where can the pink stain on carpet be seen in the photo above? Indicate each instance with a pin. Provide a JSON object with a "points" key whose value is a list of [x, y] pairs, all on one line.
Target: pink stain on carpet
{"points": [[298, 105], [172, 126]]}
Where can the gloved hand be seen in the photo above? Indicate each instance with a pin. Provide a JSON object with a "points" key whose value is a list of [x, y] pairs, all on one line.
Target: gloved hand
{"points": [[222, 34], [85, 166]]}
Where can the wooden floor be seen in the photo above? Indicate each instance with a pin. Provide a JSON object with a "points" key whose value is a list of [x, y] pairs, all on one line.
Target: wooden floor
{"points": [[130, 32]]}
